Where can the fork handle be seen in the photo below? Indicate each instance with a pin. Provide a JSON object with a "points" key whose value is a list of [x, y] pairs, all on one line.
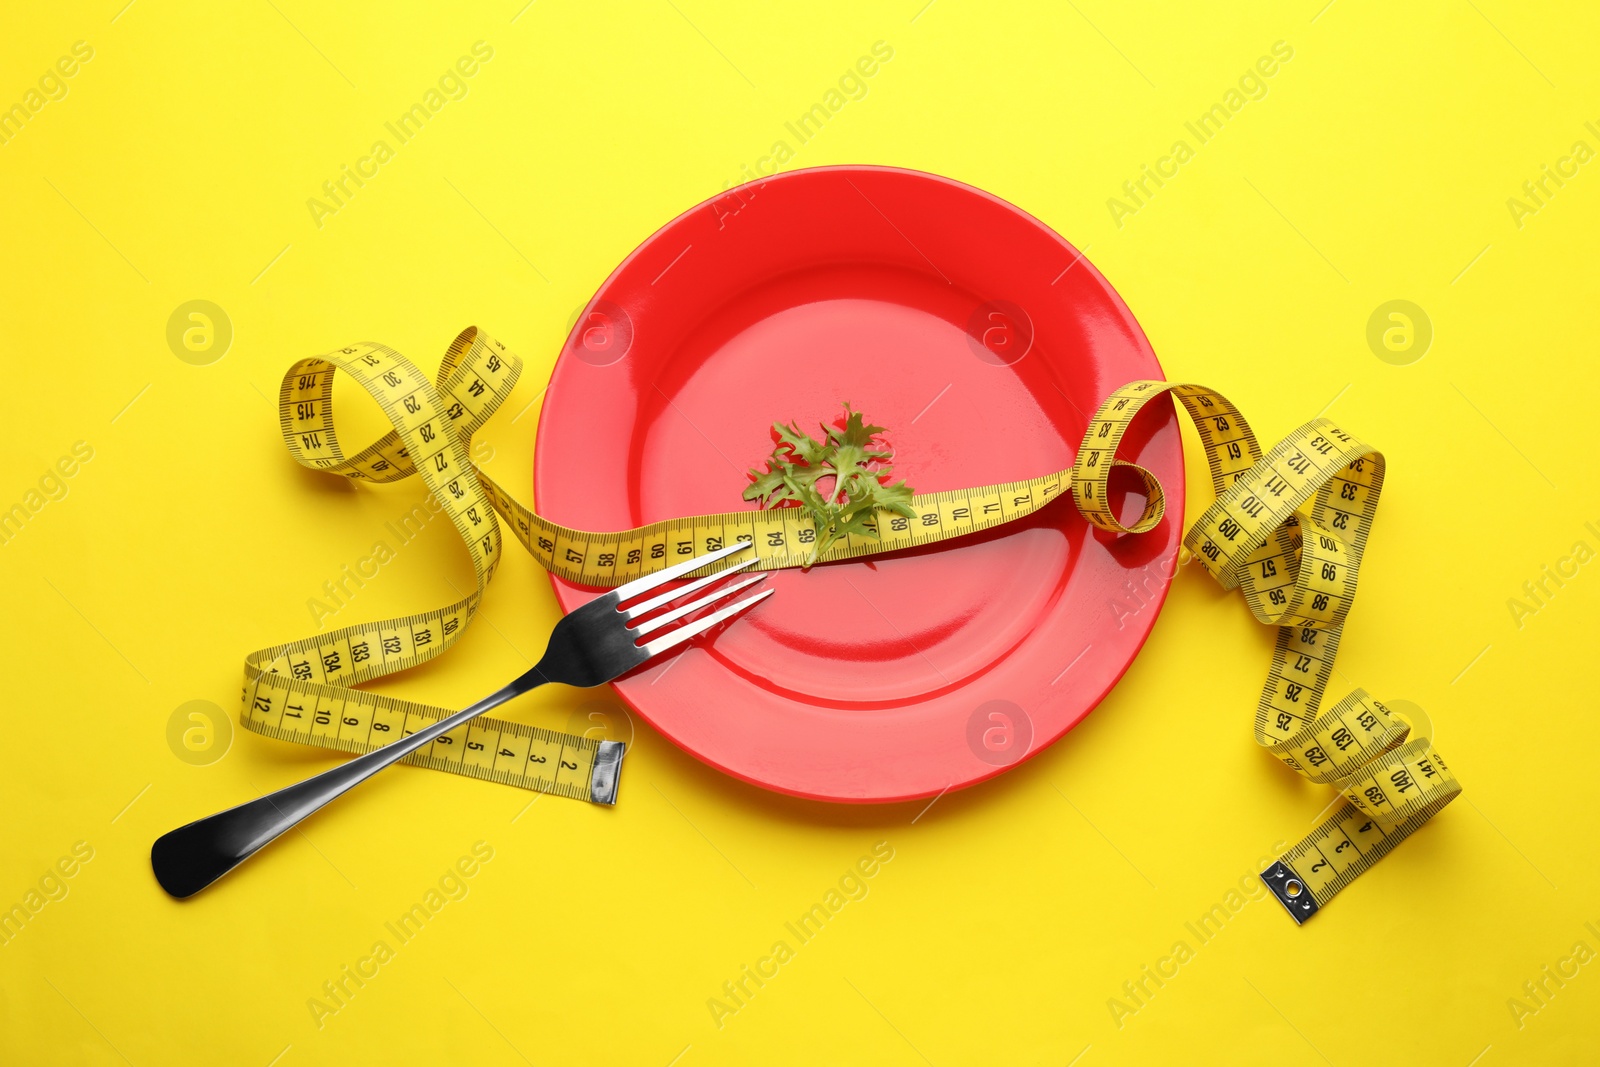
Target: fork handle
{"points": [[188, 859]]}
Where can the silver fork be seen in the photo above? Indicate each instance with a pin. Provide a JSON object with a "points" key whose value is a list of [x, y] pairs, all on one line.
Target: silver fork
{"points": [[591, 646]]}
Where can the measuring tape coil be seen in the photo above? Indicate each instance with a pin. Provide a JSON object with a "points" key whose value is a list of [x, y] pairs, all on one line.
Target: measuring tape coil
{"points": [[1287, 528]]}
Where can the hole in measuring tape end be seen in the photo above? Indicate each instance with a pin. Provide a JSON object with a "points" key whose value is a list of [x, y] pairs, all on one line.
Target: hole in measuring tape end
{"points": [[1293, 888]]}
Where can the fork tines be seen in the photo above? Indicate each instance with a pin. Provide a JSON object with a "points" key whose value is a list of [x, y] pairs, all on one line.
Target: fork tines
{"points": [[677, 611]]}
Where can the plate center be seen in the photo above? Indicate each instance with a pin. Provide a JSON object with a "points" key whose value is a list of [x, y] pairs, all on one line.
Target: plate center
{"points": [[894, 344]]}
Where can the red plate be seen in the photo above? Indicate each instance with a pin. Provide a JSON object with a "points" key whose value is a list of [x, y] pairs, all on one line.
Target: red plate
{"points": [[983, 341]]}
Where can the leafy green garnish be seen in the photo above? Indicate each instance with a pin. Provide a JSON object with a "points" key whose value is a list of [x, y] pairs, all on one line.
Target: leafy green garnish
{"points": [[854, 457]]}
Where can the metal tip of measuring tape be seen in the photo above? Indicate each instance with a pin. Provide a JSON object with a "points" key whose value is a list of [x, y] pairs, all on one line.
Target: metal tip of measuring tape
{"points": [[607, 771], [1291, 891]]}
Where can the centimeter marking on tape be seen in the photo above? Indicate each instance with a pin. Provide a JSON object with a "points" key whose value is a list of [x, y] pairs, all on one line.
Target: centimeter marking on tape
{"points": [[781, 537], [1288, 529], [302, 691]]}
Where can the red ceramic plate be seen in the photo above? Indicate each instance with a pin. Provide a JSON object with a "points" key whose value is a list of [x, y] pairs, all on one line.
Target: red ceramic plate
{"points": [[984, 342]]}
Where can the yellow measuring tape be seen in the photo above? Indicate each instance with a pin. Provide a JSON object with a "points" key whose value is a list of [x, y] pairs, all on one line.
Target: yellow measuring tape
{"points": [[1287, 529]]}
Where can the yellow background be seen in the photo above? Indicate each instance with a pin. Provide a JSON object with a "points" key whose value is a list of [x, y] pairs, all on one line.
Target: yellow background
{"points": [[1377, 167]]}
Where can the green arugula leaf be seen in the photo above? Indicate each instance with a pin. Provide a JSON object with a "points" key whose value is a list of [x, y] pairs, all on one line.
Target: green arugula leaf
{"points": [[841, 480]]}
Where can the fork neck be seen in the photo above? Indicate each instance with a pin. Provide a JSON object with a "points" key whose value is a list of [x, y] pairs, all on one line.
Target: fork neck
{"points": [[532, 678]]}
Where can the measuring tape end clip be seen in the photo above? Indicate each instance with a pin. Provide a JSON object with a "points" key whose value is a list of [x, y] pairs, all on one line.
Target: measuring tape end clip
{"points": [[607, 773], [1291, 891]]}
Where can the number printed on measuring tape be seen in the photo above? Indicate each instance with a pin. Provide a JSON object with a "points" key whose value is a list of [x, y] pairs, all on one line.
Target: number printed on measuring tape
{"points": [[1287, 528], [304, 691]]}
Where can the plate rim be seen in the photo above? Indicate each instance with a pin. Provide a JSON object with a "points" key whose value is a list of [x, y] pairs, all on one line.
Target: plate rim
{"points": [[1175, 495]]}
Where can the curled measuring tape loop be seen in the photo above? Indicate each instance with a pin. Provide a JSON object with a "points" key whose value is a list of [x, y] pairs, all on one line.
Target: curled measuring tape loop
{"points": [[1287, 529], [303, 691]]}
